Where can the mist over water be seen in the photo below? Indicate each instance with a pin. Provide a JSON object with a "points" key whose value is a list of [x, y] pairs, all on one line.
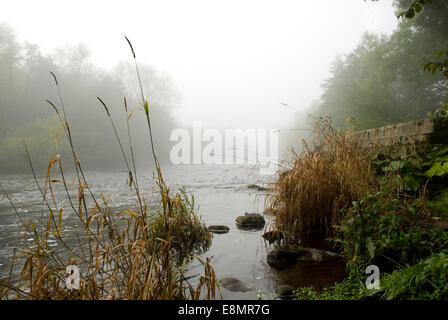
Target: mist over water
{"points": [[229, 65]]}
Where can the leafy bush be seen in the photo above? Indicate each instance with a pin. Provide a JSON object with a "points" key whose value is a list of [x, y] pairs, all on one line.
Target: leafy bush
{"points": [[439, 203], [351, 288], [413, 171], [427, 279], [388, 231]]}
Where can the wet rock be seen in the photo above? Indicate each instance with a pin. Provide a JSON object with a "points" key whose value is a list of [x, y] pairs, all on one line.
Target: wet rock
{"points": [[257, 187], [273, 236], [218, 229], [284, 291], [233, 284], [250, 221], [283, 256]]}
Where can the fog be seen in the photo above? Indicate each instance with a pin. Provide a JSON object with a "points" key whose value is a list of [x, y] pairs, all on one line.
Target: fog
{"points": [[247, 64]]}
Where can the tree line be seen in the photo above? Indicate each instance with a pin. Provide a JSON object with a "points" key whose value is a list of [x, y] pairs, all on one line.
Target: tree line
{"points": [[25, 115]]}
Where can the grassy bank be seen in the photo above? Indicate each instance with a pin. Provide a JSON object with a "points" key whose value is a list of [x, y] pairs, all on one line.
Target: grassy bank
{"points": [[378, 209]]}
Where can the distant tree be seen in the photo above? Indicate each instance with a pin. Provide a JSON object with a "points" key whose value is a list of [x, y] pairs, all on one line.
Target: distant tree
{"points": [[433, 18], [25, 85], [380, 83]]}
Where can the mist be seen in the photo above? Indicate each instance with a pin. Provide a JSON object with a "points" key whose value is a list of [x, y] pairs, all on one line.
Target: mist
{"points": [[229, 65]]}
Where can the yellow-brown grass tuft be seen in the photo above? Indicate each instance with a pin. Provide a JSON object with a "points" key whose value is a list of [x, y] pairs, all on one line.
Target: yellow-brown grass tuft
{"points": [[324, 178]]}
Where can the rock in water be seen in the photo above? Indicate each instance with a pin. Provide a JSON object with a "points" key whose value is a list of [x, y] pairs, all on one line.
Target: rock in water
{"points": [[258, 188], [283, 256], [273, 236], [250, 221], [284, 291], [218, 229], [233, 284]]}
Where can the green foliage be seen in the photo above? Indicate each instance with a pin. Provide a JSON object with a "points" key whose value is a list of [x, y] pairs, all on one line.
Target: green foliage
{"points": [[379, 83], [411, 172], [388, 231], [436, 164], [351, 288], [182, 227], [416, 7], [430, 66], [426, 280], [439, 66], [439, 204], [434, 67], [41, 139]]}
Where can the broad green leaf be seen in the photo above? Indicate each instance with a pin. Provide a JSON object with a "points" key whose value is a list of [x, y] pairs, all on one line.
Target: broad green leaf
{"points": [[439, 168], [410, 13]]}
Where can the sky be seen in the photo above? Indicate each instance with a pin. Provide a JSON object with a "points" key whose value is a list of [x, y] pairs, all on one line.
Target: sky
{"points": [[233, 62]]}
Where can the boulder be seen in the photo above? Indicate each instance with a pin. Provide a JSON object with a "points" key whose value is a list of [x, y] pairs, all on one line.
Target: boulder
{"points": [[218, 229], [284, 291], [250, 221], [285, 255], [273, 236], [233, 284]]}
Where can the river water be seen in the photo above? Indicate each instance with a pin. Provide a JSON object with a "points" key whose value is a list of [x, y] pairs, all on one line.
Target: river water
{"points": [[221, 193]]}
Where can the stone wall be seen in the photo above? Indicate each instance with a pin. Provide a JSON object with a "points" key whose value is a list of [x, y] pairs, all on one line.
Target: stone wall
{"points": [[407, 137]]}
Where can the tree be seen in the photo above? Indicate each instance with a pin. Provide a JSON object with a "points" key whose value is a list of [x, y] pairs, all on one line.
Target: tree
{"points": [[379, 83]]}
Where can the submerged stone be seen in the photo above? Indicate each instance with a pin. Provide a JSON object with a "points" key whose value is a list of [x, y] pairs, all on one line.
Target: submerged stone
{"points": [[283, 256], [257, 187], [284, 291], [273, 236], [218, 229], [233, 284]]}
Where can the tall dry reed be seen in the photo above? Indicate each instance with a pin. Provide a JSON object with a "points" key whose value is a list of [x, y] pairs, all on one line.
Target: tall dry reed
{"points": [[325, 177]]}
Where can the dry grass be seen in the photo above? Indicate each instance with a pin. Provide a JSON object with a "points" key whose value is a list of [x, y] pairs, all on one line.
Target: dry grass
{"points": [[132, 254], [322, 181]]}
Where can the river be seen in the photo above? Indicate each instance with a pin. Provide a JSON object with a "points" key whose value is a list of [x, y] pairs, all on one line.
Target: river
{"points": [[221, 193]]}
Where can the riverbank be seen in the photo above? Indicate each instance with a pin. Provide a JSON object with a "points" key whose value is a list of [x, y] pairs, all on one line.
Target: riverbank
{"points": [[377, 209]]}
